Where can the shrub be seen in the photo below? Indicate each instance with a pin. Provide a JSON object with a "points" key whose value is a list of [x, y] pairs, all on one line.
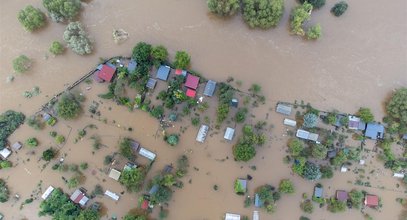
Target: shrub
{"points": [[310, 120], [159, 54], [9, 122], [73, 182], [77, 39], [21, 64], [195, 121], [311, 171], [141, 53], [327, 172], [286, 186], [298, 16], [172, 139], [59, 139], [255, 88], [4, 192], [244, 151], [315, 3], [223, 7], [31, 18], [132, 179], [356, 198], [262, 13], [336, 206], [157, 112], [56, 48], [62, 10], [319, 151], [339, 8], [53, 134], [366, 115], [314, 32], [296, 147], [68, 107], [32, 142], [5, 164], [241, 115], [307, 206], [48, 154], [125, 148], [182, 60]]}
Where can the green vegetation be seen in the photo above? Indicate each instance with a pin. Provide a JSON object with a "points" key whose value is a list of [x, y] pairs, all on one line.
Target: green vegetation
{"points": [[286, 186], [84, 166], [314, 32], [239, 189], [268, 196], [172, 139], [182, 60], [142, 52], [245, 150], [62, 10], [5, 164], [311, 171], [224, 7], [195, 121], [134, 217], [4, 192], [32, 142], [9, 122], [125, 148], [327, 172], [59, 139], [56, 48], [132, 179], [163, 194], [356, 198], [397, 112], [307, 206], [225, 94], [73, 182], [262, 13], [88, 214], [48, 154], [77, 39], [182, 166], [299, 15], [157, 112], [68, 107], [310, 120], [366, 115], [159, 55], [31, 18], [296, 147], [315, 3], [339, 159], [319, 151], [339, 8], [21, 64], [336, 205], [240, 116]]}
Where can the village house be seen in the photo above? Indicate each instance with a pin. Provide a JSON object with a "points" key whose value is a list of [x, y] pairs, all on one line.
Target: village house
{"points": [[258, 203], [231, 216], [318, 192], [303, 134], [79, 197], [17, 146], [283, 109], [341, 195], [5, 153], [374, 131], [114, 174], [112, 195], [290, 122], [147, 154], [234, 103], [106, 72], [131, 67], [210, 88], [371, 201], [203, 131], [163, 72], [191, 84], [229, 133], [355, 123], [47, 192], [151, 83], [180, 72]]}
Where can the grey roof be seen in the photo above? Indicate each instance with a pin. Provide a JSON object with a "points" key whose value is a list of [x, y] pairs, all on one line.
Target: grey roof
{"points": [[331, 153], [163, 72], [132, 65], [17, 146], [307, 135], [203, 131], [153, 189], [151, 83], [283, 109], [210, 88], [258, 203], [229, 133], [405, 136], [374, 131], [234, 102], [318, 192]]}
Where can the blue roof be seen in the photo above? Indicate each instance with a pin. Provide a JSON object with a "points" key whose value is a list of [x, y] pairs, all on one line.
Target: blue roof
{"points": [[257, 201], [374, 131], [151, 83], [163, 72], [405, 136], [153, 189], [132, 65], [210, 88], [318, 192]]}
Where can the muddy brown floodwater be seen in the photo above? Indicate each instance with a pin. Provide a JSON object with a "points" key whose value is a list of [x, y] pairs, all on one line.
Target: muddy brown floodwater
{"points": [[360, 59]]}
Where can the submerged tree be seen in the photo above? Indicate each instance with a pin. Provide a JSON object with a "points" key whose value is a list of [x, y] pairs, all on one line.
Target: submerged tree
{"points": [[77, 39], [224, 7], [31, 18], [315, 3], [366, 115], [68, 107], [132, 179], [311, 171], [182, 60], [62, 10], [339, 8], [21, 64], [159, 55], [314, 32], [310, 120], [397, 111], [263, 13], [56, 48], [4, 192], [299, 15], [142, 52]]}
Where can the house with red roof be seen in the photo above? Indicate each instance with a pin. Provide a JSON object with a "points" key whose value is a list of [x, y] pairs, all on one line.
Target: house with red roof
{"points": [[191, 93], [192, 82], [180, 72], [371, 201], [106, 72], [79, 197]]}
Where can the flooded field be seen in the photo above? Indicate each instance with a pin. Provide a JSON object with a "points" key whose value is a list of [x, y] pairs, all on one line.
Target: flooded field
{"points": [[360, 59]]}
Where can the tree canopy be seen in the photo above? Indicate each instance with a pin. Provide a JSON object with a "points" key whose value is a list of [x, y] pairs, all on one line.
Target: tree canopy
{"points": [[224, 7], [315, 3], [397, 110], [62, 10], [263, 13], [314, 32], [68, 107], [245, 150], [366, 115], [142, 52], [21, 64], [59, 206], [286, 186], [182, 60], [132, 179], [339, 8], [48, 154], [172, 139], [310, 120], [125, 148], [56, 48], [4, 192], [299, 15], [311, 171], [31, 18], [319, 151], [134, 217], [296, 147], [9, 122], [77, 39], [159, 55], [162, 195], [356, 198]]}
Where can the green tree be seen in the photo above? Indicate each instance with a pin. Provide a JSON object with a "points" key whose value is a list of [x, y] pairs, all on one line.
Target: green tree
{"points": [[172, 139], [162, 195], [88, 214], [223, 7], [159, 55], [336, 206], [68, 107], [286, 186], [241, 115], [157, 112], [62, 10], [73, 182], [331, 118], [132, 179], [5, 164], [77, 39], [315, 3], [327, 172], [356, 198], [21, 64], [222, 112], [299, 15], [142, 52], [339, 159], [84, 166], [59, 206], [299, 165], [262, 13], [56, 48], [243, 151], [397, 110], [310, 120], [48, 154], [314, 32], [125, 148], [311, 171], [182, 60], [319, 151], [296, 147], [31, 18], [307, 206], [59, 139], [366, 115], [339, 8], [9, 122], [4, 192], [32, 142], [134, 217]]}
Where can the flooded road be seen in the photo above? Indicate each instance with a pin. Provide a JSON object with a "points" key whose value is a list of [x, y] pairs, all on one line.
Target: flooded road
{"points": [[360, 59]]}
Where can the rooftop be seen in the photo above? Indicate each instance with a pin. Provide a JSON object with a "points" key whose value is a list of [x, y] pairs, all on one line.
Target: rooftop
{"points": [[374, 131], [151, 83], [106, 73], [192, 81], [283, 109], [318, 192], [114, 174], [79, 197], [131, 67], [229, 133], [190, 93], [163, 72], [371, 200], [341, 195], [203, 131], [210, 88]]}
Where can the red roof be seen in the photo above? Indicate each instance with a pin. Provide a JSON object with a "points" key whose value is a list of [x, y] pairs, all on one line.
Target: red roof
{"points": [[178, 72], [191, 93], [192, 81], [371, 200], [144, 205], [106, 73]]}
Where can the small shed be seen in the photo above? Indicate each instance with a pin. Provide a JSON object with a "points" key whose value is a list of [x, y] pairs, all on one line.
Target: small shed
{"points": [[318, 192], [135, 145], [79, 197], [405, 136], [129, 166], [163, 72], [17, 146], [371, 200], [258, 203], [47, 192], [147, 154], [341, 195], [234, 103], [290, 122], [114, 174], [151, 83], [210, 88], [230, 216], [374, 131], [131, 67], [398, 175], [153, 189], [283, 109], [307, 135], [180, 72], [106, 73], [190, 93], [229, 133], [203, 131], [5, 153], [256, 215], [192, 81], [46, 117], [331, 154], [344, 169], [112, 195]]}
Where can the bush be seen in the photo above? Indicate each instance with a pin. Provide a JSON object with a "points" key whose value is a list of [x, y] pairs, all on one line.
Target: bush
{"points": [[77, 39], [336, 206], [310, 120], [241, 115], [286, 186], [62, 10], [141, 53], [172, 139], [48, 154], [366, 115], [182, 60], [59, 139], [311, 171], [314, 32], [32, 142], [73, 182], [315, 3], [9, 122], [298, 16], [125, 148], [132, 179], [263, 13], [21, 64], [356, 198], [195, 121], [222, 112], [84, 166], [56, 48], [159, 54], [68, 107], [397, 110], [35, 122], [327, 172], [319, 151], [5, 164], [223, 7], [4, 192], [296, 147], [157, 112], [31, 18], [339, 8], [307, 206]]}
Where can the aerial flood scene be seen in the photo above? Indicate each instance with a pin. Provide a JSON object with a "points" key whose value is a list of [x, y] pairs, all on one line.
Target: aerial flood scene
{"points": [[203, 109]]}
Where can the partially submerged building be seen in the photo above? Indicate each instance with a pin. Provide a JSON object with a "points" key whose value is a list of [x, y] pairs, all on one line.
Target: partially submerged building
{"points": [[374, 131], [283, 109], [355, 123], [106, 72], [258, 203], [47, 192], [79, 197], [5, 153], [318, 192], [163, 72], [17, 146], [307, 135], [210, 88], [202, 133], [290, 122], [114, 174], [231, 216], [147, 154], [371, 201], [112, 195], [151, 83], [229, 133], [131, 67]]}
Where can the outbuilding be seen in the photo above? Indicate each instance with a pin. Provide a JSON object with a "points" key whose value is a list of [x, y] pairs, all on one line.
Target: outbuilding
{"points": [[190, 93], [163, 72], [192, 81], [210, 88], [47, 192], [112, 195], [230, 216], [258, 203], [283, 109], [307, 135], [203, 131], [147, 154], [341, 195], [371, 200], [114, 174], [398, 175], [79, 197], [374, 131], [180, 72], [5, 153], [290, 122], [318, 192], [151, 83], [229, 133], [131, 67]]}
